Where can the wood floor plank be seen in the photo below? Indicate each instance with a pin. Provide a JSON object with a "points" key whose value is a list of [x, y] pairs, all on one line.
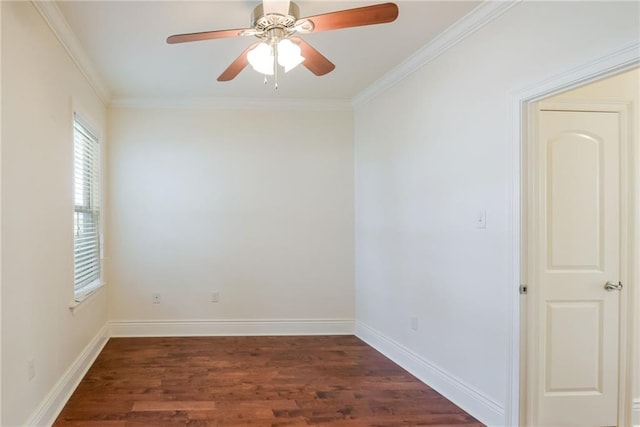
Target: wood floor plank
{"points": [[173, 405], [252, 381]]}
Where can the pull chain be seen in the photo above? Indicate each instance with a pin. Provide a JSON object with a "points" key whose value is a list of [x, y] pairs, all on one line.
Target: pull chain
{"points": [[275, 66]]}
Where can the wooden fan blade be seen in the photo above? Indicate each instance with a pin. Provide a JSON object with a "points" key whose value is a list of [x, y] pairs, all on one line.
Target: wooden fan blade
{"points": [[313, 60], [368, 15], [236, 66], [205, 35]]}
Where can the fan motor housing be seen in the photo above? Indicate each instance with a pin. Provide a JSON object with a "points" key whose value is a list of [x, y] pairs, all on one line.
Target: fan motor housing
{"points": [[262, 22]]}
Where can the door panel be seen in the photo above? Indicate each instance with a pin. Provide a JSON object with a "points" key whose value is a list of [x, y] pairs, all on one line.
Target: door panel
{"points": [[565, 348], [574, 209], [579, 245]]}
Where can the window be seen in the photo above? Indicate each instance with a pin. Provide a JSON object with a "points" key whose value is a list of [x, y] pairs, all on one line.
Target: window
{"points": [[86, 215]]}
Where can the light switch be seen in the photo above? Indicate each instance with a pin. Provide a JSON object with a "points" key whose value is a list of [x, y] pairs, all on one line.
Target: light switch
{"points": [[481, 219]]}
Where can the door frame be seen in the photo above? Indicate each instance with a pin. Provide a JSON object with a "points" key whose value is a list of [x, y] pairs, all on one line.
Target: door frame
{"points": [[520, 106]]}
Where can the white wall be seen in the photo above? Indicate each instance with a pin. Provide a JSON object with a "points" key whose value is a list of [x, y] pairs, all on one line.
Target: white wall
{"points": [[624, 87], [0, 212], [255, 204], [39, 81], [433, 151]]}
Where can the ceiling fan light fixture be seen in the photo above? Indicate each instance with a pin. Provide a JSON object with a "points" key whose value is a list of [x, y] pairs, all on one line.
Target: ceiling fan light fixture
{"points": [[289, 55], [275, 23], [261, 59]]}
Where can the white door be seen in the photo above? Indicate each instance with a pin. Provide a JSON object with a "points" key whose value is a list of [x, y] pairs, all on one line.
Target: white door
{"points": [[574, 346]]}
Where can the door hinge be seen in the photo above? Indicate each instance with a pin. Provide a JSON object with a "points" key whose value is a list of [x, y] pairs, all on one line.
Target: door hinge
{"points": [[523, 289]]}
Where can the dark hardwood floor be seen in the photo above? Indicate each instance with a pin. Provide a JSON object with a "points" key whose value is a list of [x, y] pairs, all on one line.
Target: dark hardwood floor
{"points": [[252, 381]]}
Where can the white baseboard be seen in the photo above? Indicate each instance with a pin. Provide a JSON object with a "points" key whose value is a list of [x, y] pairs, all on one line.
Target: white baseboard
{"points": [[46, 413], [454, 389], [635, 416], [249, 327]]}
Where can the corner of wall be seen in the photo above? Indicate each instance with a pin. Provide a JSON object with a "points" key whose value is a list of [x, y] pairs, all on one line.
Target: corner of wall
{"points": [[470, 23], [54, 18]]}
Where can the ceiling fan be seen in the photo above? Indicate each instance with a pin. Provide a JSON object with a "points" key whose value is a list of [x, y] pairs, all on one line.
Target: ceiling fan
{"points": [[276, 23]]}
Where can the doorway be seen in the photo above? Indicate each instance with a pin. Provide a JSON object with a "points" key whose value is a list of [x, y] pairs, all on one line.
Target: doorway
{"points": [[580, 209]]}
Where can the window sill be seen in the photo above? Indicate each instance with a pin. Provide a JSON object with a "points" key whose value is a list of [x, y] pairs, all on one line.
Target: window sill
{"points": [[81, 301]]}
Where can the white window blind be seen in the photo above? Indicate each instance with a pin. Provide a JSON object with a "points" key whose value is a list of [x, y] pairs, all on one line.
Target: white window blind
{"points": [[86, 217]]}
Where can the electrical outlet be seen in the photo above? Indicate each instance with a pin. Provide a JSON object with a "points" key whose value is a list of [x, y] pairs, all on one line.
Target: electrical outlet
{"points": [[215, 296], [156, 298], [414, 323], [31, 369]]}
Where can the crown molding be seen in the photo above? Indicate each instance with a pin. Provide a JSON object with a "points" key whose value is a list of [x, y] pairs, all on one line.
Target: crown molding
{"points": [[460, 30], [53, 16], [618, 61], [234, 103], [476, 19]]}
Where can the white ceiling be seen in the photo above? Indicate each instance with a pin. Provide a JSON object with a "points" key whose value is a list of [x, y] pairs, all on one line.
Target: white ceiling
{"points": [[125, 40]]}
